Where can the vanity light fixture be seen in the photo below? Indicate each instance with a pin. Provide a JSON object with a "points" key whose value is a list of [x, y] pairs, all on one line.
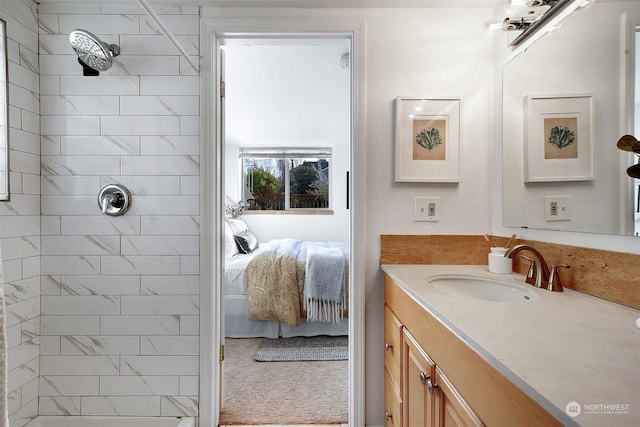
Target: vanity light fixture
{"points": [[556, 11], [514, 24]]}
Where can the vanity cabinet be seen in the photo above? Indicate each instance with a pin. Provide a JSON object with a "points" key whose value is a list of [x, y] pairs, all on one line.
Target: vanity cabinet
{"points": [[465, 389], [417, 393]]}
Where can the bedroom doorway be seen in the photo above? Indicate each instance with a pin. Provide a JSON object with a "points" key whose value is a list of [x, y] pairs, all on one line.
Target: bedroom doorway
{"points": [[287, 121]]}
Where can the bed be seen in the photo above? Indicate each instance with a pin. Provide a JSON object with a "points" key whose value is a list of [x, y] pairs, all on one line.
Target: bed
{"points": [[244, 291]]}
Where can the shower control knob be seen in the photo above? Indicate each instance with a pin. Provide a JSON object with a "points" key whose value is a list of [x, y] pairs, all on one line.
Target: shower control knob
{"points": [[114, 200]]}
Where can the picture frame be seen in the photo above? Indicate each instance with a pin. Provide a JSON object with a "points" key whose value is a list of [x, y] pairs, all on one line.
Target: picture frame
{"points": [[427, 139], [558, 138]]}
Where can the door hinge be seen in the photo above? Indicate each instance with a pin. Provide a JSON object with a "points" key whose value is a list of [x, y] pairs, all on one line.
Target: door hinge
{"points": [[221, 353], [222, 88]]}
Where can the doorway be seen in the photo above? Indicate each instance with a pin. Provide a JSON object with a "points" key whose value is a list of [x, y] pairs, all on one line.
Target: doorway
{"points": [[287, 149], [213, 30]]}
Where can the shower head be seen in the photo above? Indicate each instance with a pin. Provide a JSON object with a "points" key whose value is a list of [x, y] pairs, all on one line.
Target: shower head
{"points": [[93, 54]]}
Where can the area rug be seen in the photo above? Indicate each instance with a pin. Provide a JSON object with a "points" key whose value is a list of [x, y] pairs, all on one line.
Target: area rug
{"points": [[303, 349], [281, 393]]}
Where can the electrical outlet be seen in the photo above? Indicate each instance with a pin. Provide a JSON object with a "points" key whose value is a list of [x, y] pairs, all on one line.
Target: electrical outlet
{"points": [[557, 208], [427, 209]]}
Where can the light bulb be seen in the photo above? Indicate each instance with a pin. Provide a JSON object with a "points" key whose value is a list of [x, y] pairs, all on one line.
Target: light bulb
{"points": [[515, 7]]}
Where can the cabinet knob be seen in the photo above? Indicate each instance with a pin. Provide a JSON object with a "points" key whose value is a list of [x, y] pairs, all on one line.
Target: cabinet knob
{"points": [[423, 377], [431, 386], [387, 416], [387, 346]]}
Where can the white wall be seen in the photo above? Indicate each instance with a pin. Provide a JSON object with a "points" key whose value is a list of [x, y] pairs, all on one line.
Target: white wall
{"points": [[426, 52], [120, 295], [20, 218], [289, 95]]}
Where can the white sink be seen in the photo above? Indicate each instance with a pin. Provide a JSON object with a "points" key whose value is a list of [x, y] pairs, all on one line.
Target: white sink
{"points": [[485, 288]]}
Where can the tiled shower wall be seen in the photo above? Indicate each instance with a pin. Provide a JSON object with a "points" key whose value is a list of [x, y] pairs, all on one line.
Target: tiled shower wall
{"points": [[120, 295], [20, 218]]}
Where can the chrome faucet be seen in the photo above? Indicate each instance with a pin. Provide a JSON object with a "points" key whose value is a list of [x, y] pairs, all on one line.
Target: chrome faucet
{"points": [[539, 274]]}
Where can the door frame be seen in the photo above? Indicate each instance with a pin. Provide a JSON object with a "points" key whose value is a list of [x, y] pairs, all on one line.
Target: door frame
{"points": [[212, 30]]}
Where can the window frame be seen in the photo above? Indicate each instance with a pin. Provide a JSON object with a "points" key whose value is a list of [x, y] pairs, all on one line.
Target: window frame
{"points": [[286, 153]]}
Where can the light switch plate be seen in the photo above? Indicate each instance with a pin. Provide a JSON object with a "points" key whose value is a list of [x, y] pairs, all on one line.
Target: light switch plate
{"points": [[557, 208], [427, 209]]}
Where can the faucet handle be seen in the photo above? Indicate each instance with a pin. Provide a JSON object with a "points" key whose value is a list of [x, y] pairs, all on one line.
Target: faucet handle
{"points": [[531, 273], [554, 279]]}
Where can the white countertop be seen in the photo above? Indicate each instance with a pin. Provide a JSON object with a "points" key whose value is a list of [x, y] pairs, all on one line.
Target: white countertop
{"points": [[565, 347]]}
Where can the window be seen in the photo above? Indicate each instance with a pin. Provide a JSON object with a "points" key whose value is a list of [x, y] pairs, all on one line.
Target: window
{"points": [[279, 179]]}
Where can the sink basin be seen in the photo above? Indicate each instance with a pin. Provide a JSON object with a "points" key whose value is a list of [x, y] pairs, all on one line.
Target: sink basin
{"points": [[485, 289]]}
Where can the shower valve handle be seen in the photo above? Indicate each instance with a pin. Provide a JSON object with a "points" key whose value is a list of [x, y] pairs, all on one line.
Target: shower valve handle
{"points": [[114, 200]]}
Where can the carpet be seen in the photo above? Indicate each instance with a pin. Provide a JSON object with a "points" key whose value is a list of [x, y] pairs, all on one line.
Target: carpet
{"points": [[281, 393], [303, 349]]}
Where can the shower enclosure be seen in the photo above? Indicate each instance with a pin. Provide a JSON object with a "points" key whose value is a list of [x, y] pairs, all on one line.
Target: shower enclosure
{"points": [[102, 311]]}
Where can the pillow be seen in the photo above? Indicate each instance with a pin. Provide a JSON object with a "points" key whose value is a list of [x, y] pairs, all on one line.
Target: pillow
{"points": [[237, 225], [230, 247], [246, 242]]}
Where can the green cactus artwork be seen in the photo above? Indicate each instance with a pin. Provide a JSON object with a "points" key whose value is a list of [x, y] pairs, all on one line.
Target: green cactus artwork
{"points": [[429, 138], [561, 137]]}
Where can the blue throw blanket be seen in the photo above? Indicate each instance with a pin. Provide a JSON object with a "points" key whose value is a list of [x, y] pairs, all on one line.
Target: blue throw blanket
{"points": [[324, 294]]}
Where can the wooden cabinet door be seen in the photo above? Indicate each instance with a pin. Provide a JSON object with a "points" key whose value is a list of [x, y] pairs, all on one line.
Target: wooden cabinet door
{"points": [[393, 347], [392, 370], [451, 408], [417, 370], [392, 403]]}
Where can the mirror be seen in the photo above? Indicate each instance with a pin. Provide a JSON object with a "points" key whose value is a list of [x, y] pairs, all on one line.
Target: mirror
{"points": [[4, 115], [583, 59]]}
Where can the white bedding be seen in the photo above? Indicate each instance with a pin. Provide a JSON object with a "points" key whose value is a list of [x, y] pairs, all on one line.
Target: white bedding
{"points": [[236, 265], [234, 269], [236, 305]]}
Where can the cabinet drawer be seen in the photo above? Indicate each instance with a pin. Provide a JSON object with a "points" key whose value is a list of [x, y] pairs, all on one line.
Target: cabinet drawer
{"points": [[392, 403], [393, 346]]}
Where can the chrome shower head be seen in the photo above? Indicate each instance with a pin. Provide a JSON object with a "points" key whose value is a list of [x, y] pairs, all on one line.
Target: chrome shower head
{"points": [[92, 52]]}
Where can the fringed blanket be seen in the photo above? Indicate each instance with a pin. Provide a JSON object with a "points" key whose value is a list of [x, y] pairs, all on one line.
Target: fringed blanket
{"points": [[272, 282], [275, 279], [324, 297]]}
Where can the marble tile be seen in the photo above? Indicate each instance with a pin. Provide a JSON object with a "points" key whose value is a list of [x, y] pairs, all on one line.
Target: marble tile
{"points": [[71, 325], [79, 365], [121, 405], [78, 105], [156, 44], [159, 365], [159, 304], [156, 385], [159, 105], [140, 125], [140, 325], [178, 346], [78, 385], [100, 24], [160, 245], [59, 405], [80, 345]]}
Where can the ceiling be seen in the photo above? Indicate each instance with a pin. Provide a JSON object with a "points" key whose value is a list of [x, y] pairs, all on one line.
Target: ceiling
{"points": [[302, 3]]}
